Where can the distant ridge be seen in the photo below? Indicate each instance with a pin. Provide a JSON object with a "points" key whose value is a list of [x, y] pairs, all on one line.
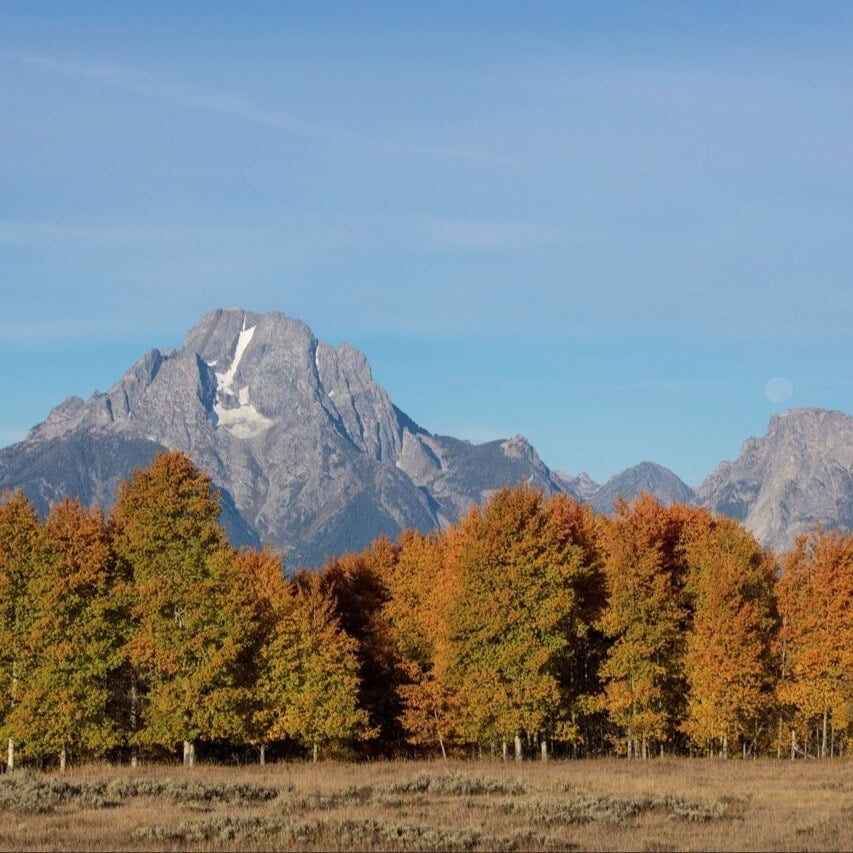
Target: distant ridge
{"points": [[312, 456]]}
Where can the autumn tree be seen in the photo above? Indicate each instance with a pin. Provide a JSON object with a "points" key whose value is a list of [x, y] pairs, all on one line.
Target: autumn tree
{"points": [[72, 640], [728, 662], [21, 554], [815, 594], [270, 596], [357, 585], [646, 620], [421, 586], [191, 619], [309, 683], [515, 619]]}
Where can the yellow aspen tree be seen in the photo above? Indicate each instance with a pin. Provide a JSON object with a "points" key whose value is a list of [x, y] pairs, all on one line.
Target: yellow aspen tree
{"points": [[191, 619], [511, 625], [309, 680], [73, 640], [21, 554]]}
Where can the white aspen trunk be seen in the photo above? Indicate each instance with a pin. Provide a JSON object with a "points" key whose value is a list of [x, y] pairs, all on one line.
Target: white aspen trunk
{"points": [[189, 753], [543, 746], [133, 701], [518, 752], [744, 750], [134, 760], [192, 754], [504, 750], [262, 757], [10, 756], [63, 760], [661, 750], [316, 751], [824, 733], [725, 747], [793, 744]]}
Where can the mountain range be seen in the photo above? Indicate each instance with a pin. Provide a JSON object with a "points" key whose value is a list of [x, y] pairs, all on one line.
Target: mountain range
{"points": [[311, 455]]}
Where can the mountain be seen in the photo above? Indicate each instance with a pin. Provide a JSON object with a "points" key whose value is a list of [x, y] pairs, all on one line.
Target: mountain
{"points": [[799, 473], [645, 477], [311, 455], [307, 449]]}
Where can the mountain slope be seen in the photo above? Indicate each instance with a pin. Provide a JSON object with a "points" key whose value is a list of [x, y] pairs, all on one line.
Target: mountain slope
{"points": [[311, 455], [306, 446], [799, 473]]}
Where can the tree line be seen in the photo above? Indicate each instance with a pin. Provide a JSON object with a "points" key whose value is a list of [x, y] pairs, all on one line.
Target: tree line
{"points": [[531, 626]]}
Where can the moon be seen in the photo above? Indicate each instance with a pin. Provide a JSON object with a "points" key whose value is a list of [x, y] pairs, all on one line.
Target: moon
{"points": [[779, 389]]}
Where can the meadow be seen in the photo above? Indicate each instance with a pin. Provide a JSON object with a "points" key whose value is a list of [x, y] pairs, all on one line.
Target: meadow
{"points": [[605, 804]]}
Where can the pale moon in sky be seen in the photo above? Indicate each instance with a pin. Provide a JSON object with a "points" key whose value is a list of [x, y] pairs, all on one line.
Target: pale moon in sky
{"points": [[779, 389]]}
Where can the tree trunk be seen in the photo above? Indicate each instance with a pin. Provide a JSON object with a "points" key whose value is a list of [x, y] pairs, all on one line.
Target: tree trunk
{"points": [[793, 744], [63, 760], [725, 749], [824, 733], [316, 752], [504, 750], [262, 757], [543, 746], [518, 753], [189, 753], [10, 756], [133, 703]]}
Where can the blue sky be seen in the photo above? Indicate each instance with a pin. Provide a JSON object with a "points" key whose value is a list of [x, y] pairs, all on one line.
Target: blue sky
{"points": [[606, 226]]}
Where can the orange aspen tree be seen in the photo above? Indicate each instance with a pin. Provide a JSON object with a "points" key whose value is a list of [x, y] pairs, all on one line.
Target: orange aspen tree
{"points": [[420, 588], [728, 660], [815, 594], [357, 584], [646, 619]]}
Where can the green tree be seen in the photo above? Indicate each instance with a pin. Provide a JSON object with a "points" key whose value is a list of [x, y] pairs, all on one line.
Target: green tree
{"points": [[514, 622], [310, 683], [21, 554], [72, 641], [191, 617]]}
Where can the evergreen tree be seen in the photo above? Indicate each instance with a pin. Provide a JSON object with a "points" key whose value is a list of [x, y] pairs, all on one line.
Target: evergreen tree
{"points": [[191, 617]]}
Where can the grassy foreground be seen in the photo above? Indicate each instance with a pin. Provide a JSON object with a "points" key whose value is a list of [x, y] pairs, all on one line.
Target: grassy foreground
{"points": [[607, 804]]}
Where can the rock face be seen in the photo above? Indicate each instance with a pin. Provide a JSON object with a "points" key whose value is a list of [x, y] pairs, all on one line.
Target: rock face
{"points": [[799, 473], [308, 450], [645, 477], [311, 455]]}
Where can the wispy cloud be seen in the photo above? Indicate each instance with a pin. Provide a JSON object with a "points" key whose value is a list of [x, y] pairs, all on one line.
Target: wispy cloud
{"points": [[235, 106]]}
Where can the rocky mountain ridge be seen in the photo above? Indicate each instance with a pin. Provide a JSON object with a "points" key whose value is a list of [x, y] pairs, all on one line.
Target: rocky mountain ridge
{"points": [[312, 456]]}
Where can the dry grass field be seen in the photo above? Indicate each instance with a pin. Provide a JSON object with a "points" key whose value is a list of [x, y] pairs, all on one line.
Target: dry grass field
{"points": [[657, 805]]}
